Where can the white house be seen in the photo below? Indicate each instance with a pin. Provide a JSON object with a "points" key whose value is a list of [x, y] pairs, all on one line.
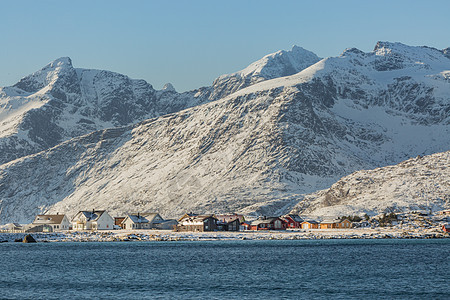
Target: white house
{"points": [[12, 227], [52, 222], [142, 221], [92, 220]]}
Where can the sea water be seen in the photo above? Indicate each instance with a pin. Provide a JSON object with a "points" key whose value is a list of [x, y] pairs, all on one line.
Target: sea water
{"points": [[300, 269]]}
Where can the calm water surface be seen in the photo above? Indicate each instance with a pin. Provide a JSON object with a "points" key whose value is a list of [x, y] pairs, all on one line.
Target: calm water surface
{"points": [[305, 269]]}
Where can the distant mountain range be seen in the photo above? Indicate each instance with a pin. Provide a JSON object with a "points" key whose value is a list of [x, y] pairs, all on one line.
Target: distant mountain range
{"points": [[256, 141], [60, 102]]}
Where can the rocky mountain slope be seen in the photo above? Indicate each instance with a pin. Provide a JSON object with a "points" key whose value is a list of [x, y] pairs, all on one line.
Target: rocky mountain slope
{"points": [[60, 102], [258, 150], [279, 64], [417, 184]]}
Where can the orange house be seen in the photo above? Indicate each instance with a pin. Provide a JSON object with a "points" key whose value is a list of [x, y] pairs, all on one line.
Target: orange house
{"points": [[309, 225], [446, 228], [335, 224], [329, 225], [344, 224]]}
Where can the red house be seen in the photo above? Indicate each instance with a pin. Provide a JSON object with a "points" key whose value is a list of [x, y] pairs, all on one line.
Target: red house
{"points": [[246, 226], [292, 221], [446, 228]]}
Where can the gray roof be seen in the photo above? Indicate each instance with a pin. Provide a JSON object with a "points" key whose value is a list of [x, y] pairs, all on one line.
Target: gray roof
{"points": [[230, 218], [92, 215], [296, 218], [311, 221], [200, 217], [264, 221], [144, 218]]}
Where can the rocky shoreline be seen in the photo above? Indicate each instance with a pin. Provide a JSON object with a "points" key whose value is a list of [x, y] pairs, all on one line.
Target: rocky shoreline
{"points": [[166, 235]]}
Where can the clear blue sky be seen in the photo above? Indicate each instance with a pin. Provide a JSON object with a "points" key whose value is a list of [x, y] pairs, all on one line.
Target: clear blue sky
{"points": [[189, 43]]}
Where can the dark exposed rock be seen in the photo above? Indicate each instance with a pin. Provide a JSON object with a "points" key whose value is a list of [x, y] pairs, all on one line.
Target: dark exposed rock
{"points": [[29, 239], [446, 52]]}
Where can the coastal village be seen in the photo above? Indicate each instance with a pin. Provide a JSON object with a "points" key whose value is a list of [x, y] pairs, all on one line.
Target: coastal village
{"points": [[190, 222], [100, 223]]}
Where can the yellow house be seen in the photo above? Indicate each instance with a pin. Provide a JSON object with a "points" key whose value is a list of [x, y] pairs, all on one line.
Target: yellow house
{"points": [[335, 224], [328, 224]]}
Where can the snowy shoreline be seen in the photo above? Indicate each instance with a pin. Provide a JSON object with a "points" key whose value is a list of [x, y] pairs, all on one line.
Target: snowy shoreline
{"points": [[167, 235]]}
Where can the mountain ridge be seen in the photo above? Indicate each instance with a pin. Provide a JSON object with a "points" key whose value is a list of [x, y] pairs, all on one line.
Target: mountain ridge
{"points": [[60, 102], [417, 184], [259, 150]]}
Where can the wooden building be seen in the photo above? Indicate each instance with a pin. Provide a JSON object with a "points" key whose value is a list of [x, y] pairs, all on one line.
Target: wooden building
{"points": [[52, 223], [92, 220], [14, 227], [271, 223], [187, 215], [245, 226], [345, 224], [198, 223], [118, 221], [310, 224], [328, 224], [167, 224], [446, 227], [335, 224], [229, 222], [292, 221], [141, 221]]}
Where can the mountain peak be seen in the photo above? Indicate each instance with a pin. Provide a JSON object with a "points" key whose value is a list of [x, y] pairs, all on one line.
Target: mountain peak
{"points": [[48, 75], [59, 62], [279, 64], [298, 50], [387, 48], [383, 45], [295, 47], [392, 56], [352, 51], [168, 87], [390, 48]]}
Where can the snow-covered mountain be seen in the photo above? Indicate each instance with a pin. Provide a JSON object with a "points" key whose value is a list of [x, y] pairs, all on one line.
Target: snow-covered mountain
{"points": [[417, 184], [259, 149], [279, 64], [60, 102]]}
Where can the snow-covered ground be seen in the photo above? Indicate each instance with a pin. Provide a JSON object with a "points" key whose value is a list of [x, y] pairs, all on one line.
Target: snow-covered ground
{"points": [[167, 235]]}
